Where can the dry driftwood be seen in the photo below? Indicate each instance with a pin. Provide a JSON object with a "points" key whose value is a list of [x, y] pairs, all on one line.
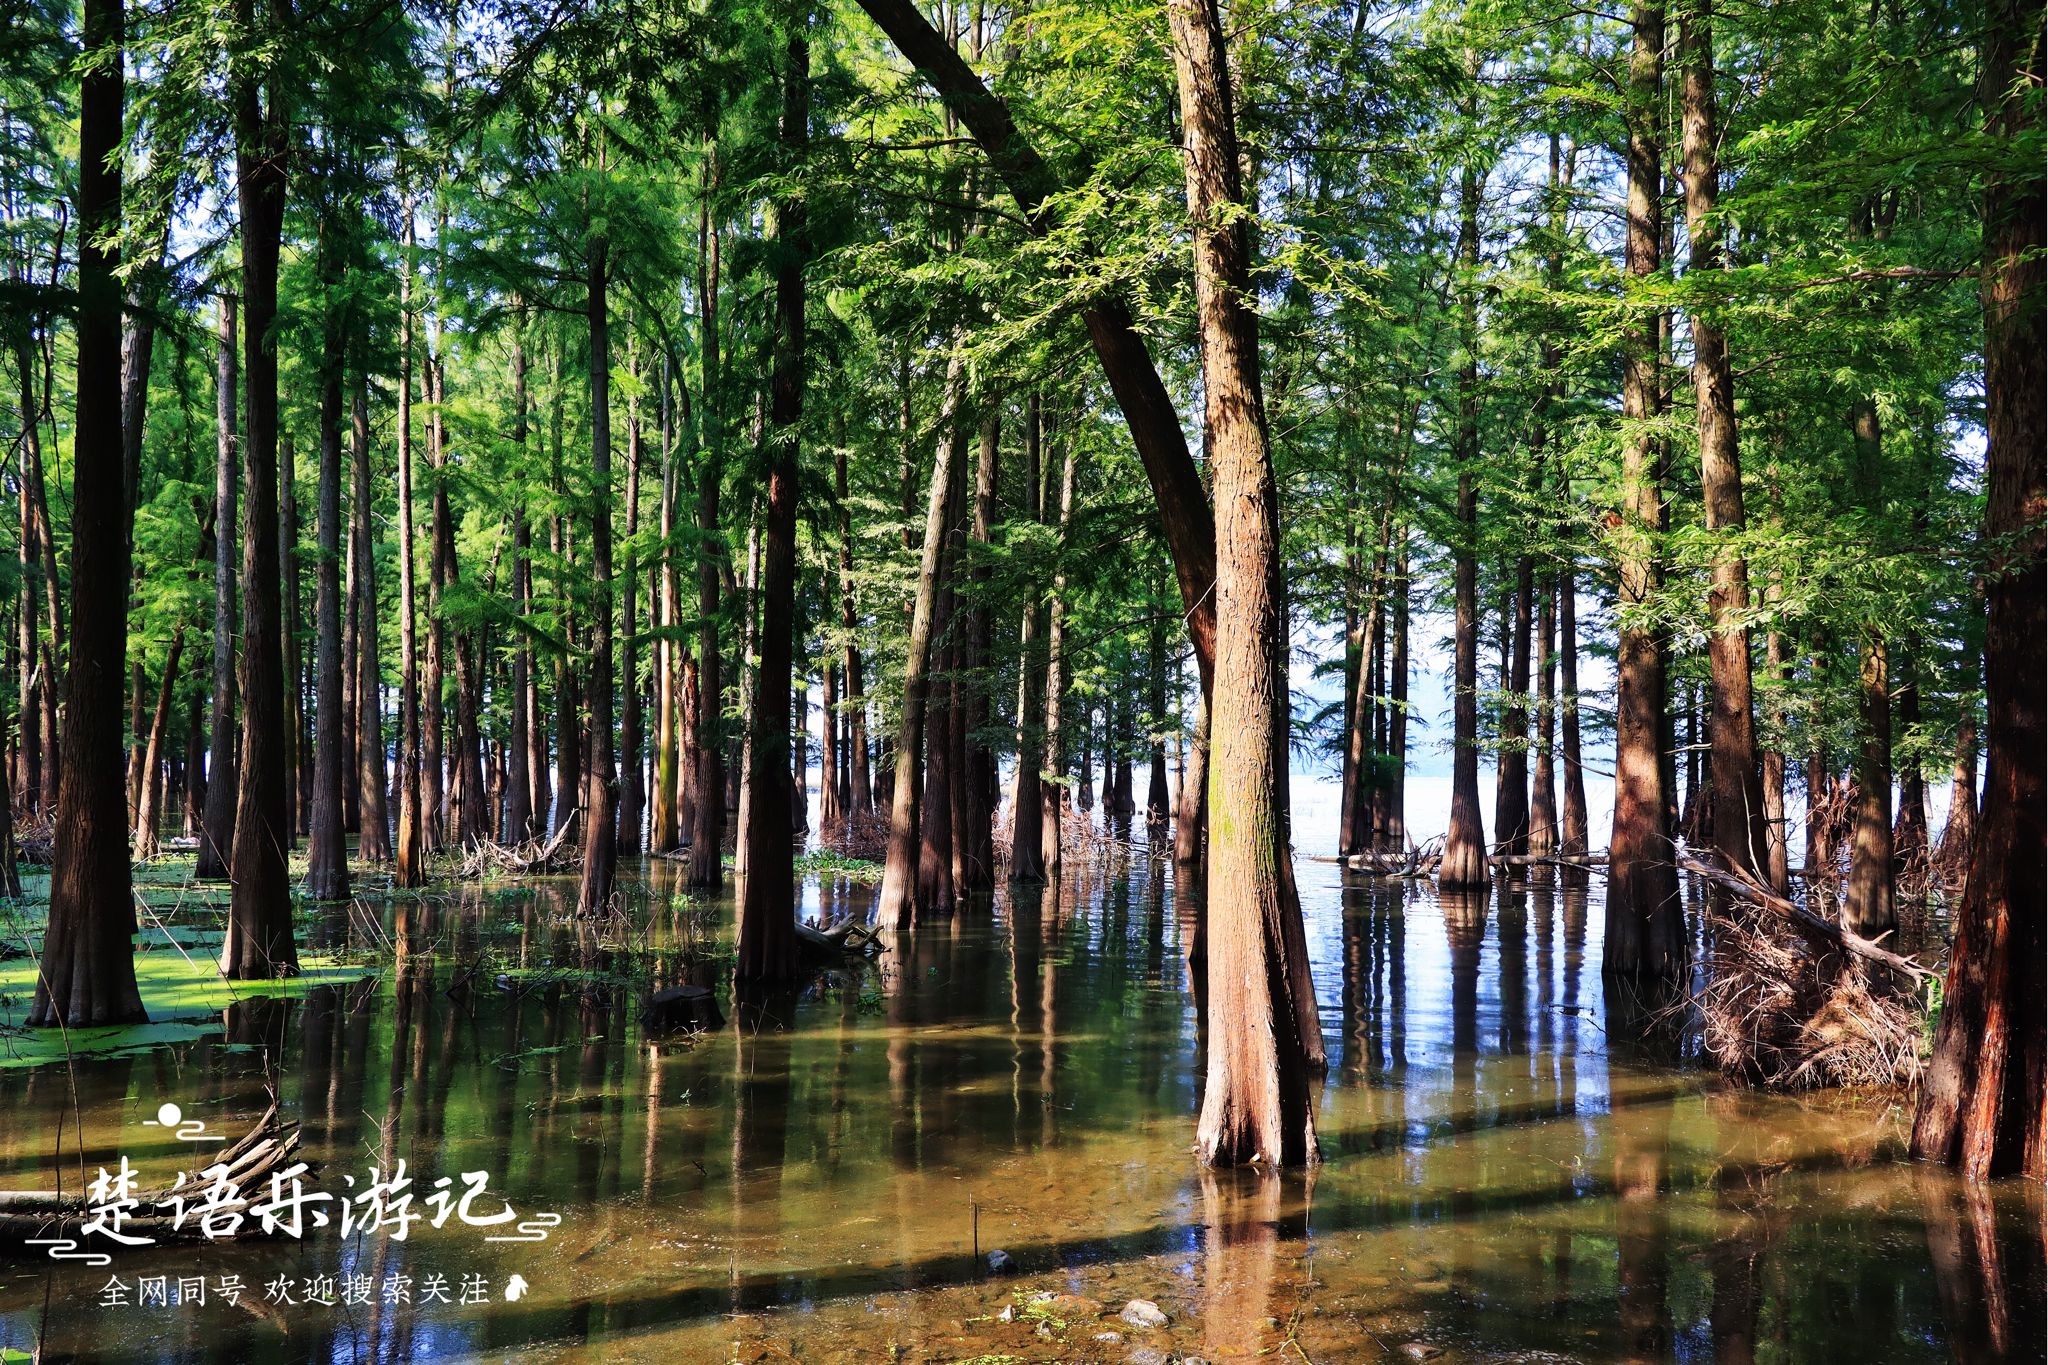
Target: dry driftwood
{"points": [[1808, 924], [488, 857], [267, 1148]]}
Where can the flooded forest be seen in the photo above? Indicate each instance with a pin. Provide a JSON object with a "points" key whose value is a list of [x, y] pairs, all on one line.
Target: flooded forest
{"points": [[1154, 682]]}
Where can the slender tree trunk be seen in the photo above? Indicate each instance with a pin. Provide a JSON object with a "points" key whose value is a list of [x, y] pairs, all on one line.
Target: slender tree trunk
{"points": [[1645, 926], [1464, 863], [1158, 800], [978, 854], [1961, 831], [1740, 833], [860, 787], [298, 744], [327, 863], [440, 573], [373, 843], [708, 820], [217, 830], [632, 773], [664, 825], [409, 856], [767, 893], [259, 940], [1511, 804], [1867, 905], [1395, 832], [1027, 803], [600, 799], [1054, 763], [898, 906], [937, 875], [1982, 1102], [1256, 1103], [148, 805], [1543, 797], [87, 972]]}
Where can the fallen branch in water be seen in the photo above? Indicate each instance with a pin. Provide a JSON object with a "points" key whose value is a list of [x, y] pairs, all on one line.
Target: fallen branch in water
{"points": [[251, 1160], [488, 857], [1808, 924]]}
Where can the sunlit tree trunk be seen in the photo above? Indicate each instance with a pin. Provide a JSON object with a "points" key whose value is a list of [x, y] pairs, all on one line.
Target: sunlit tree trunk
{"points": [[1256, 1104], [408, 857], [1740, 834], [1984, 1103], [1054, 762], [898, 905], [517, 821], [1645, 927], [87, 971]]}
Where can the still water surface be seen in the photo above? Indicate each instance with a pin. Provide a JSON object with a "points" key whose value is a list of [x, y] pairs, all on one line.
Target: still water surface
{"points": [[1512, 1171]]}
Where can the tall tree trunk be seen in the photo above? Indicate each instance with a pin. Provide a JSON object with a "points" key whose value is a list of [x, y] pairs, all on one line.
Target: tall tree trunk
{"points": [[978, 853], [831, 789], [1645, 926], [373, 843], [668, 746], [898, 907], [937, 866], [767, 893], [632, 773], [1511, 803], [1740, 834], [327, 863], [298, 744], [1867, 905], [860, 786], [1158, 800], [1394, 832], [1543, 796], [87, 973], [409, 857], [1961, 831], [707, 822], [1256, 1103], [1982, 1102], [148, 804], [217, 831], [1027, 803], [1054, 763], [1464, 862], [600, 791], [440, 573], [259, 940]]}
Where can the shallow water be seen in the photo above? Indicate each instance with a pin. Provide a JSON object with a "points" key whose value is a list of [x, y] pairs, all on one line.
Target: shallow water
{"points": [[1511, 1170]]}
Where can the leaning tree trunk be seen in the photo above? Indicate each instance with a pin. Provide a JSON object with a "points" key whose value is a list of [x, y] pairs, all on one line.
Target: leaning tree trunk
{"points": [[766, 929], [1256, 1104], [217, 830], [1981, 1104], [259, 940], [896, 908], [87, 972], [601, 782], [1645, 926]]}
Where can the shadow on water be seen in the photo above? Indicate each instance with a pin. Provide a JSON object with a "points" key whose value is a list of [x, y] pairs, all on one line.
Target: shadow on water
{"points": [[1514, 1161]]}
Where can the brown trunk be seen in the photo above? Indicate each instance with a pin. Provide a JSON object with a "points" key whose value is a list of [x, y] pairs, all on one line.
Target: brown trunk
{"points": [[898, 906], [831, 788], [978, 853], [1741, 835], [259, 940], [217, 830], [1394, 819], [858, 782], [327, 860], [707, 821], [767, 892], [1511, 797], [632, 773], [600, 793], [1054, 762], [373, 821], [1027, 798], [87, 973], [409, 855], [1256, 1102], [1543, 796], [1867, 902], [1645, 925], [298, 744], [440, 573], [1962, 801], [1983, 1100], [1464, 862], [667, 587], [937, 880], [148, 804], [1158, 800]]}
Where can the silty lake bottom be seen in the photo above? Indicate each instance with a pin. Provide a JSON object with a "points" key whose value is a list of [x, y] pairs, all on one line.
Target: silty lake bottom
{"points": [[1515, 1166]]}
